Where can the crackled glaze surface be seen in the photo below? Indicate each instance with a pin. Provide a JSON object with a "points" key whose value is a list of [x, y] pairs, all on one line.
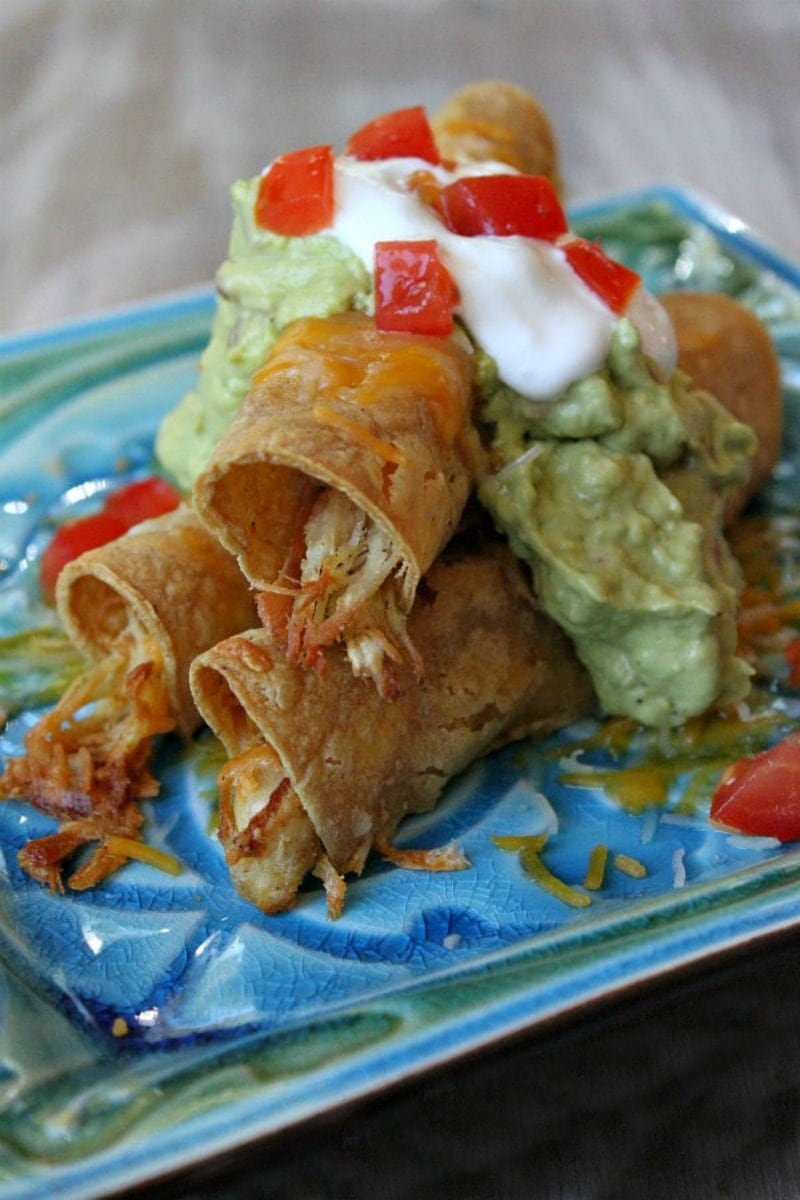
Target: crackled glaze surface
{"points": [[289, 1016]]}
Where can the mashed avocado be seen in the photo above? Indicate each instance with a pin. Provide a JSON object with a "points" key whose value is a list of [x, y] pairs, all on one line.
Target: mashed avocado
{"points": [[265, 283], [614, 494]]}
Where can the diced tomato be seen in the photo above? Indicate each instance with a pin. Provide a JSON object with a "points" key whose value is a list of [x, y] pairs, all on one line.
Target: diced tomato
{"points": [[414, 292], [141, 500], [503, 205], [761, 795], [124, 508], [613, 282], [73, 539], [405, 133], [295, 195]]}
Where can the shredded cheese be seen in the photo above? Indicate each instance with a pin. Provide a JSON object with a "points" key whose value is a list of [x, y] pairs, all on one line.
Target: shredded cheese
{"points": [[596, 870], [518, 842], [130, 848], [539, 872], [630, 866], [678, 868]]}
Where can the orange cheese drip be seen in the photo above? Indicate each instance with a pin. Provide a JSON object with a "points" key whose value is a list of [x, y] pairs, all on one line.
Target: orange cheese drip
{"points": [[634, 788], [347, 358], [359, 433]]}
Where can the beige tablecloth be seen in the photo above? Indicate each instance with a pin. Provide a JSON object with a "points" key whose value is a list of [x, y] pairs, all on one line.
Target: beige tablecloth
{"points": [[122, 127], [123, 122]]}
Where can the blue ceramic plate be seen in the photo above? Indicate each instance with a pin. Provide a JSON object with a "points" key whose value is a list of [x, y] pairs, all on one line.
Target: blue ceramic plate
{"points": [[160, 1019]]}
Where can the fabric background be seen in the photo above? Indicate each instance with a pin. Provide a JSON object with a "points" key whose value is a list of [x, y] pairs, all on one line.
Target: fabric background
{"points": [[124, 122], [122, 125]]}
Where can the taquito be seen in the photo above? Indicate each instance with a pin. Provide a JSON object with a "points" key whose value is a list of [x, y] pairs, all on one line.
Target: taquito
{"points": [[342, 476], [727, 350], [322, 769], [140, 608], [494, 120]]}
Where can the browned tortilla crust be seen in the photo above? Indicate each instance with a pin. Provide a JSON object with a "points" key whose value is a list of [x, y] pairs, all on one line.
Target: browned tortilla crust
{"points": [[494, 120], [496, 670], [726, 350], [280, 448], [170, 581]]}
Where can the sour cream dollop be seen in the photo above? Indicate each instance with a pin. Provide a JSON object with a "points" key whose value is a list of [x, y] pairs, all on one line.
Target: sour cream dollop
{"points": [[519, 297]]}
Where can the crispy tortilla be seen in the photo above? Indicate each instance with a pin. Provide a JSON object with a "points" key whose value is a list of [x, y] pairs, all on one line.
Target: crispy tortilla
{"points": [[322, 769], [374, 425], [171, 586], [726, 350], [140, 609]]}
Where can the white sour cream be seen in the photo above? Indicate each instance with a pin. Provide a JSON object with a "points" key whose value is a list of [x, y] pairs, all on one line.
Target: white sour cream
{"points": [[520, 299]]}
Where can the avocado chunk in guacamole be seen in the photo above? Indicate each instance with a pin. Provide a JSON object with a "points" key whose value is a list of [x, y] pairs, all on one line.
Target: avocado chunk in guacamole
{"points": [[265, 283], [614, 494]]}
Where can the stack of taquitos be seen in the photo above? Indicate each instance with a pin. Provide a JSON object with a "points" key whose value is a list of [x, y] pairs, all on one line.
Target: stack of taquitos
{"points": [[322, 768], [337, 486], [140, 608], [391, 471]]}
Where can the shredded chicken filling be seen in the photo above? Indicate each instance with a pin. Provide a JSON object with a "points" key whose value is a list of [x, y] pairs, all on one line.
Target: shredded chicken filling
{"points": [[87, 763], [268, 838], [343, 580], [270, 842]]}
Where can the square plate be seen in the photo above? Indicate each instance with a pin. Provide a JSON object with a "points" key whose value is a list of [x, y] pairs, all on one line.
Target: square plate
{"points": [[160, 1020]]}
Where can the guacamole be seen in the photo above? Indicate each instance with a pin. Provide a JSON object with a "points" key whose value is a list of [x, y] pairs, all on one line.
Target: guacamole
{"points": [[614, 495], [265, 283]]}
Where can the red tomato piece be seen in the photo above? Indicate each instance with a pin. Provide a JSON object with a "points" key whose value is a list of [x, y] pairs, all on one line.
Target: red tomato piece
{"points": [[504, 205], [414, 292], [141, 500], [613, 282], [405, 133], [761, 795], [295, 195], [71, 540]]}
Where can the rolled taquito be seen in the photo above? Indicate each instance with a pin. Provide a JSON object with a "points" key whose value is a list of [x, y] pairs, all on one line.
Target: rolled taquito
{"points": [[494, 120], [342, 476], [140, 608], [322, 769], [727, 350]]}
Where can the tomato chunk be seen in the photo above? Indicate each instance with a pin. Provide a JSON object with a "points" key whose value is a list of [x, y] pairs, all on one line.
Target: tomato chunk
{"points": [[405, 133], [72, 540], [295, 195], [124, 508], [414, 292], [503, 205], [613, 282], [761, 795], [141, 500]]}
